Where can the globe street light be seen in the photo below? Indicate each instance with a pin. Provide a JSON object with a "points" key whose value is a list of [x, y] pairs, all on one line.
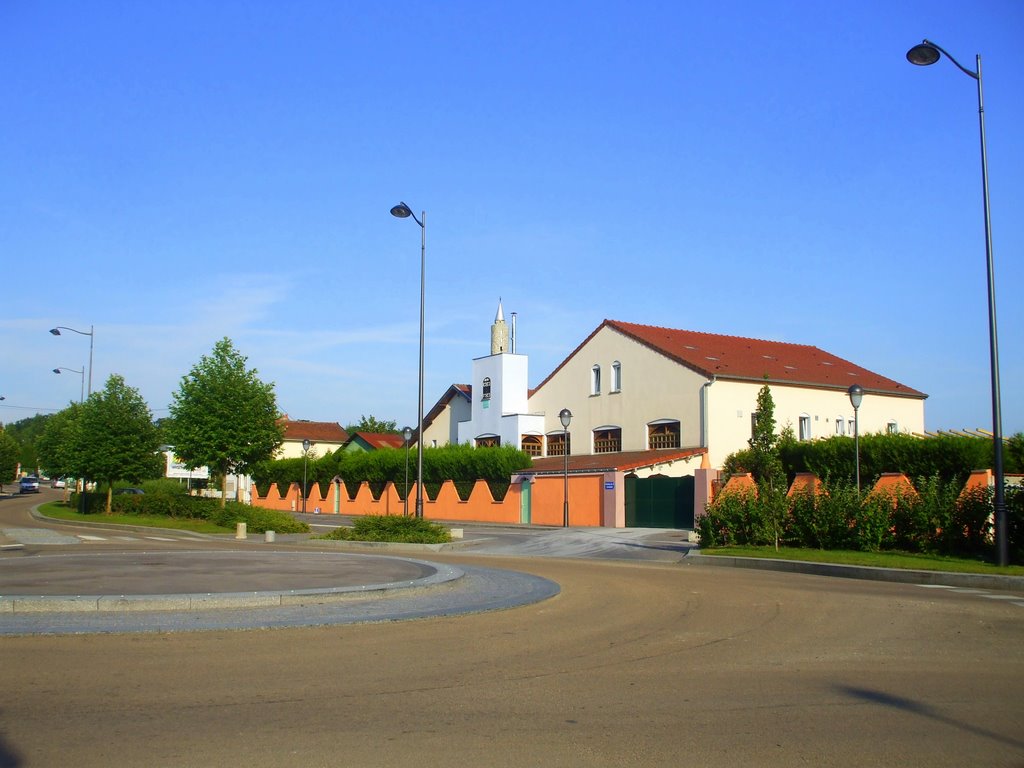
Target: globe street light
{"points": [[565, 416], [73, 370], [406, 436], [305, 457], [90, 333], [403, 211], [924, 54], [856, 393]]}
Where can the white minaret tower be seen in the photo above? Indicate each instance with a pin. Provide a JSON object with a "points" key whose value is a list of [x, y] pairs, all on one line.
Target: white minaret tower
{"points": [[499, 333]]}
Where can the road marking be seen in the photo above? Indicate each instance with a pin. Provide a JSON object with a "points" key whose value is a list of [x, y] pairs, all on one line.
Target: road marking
{"points": [[987, 594], [161, 538], [91, 538]]}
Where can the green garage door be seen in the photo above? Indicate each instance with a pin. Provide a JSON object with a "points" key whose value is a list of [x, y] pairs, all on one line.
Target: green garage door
{"points": [[659, 502]]}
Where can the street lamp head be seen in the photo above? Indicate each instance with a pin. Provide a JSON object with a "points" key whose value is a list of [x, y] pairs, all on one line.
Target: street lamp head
{"points": [[923, 54], [565, 416], [55, 331], [56, 370], [305, 446], [401, 211], [856, 393], [407, 433]]}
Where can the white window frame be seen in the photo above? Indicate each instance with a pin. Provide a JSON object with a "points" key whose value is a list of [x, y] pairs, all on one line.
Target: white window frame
{"points": [[616, 376], [595, 379], [805, 426]]}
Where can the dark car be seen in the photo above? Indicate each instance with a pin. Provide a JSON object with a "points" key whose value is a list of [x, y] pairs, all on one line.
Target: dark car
{"points": [[29, 484], [128, 491]]}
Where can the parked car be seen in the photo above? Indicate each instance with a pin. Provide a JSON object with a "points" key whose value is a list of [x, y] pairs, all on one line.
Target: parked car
{"points": [[58, 482], [128, 491], [29, 484]]}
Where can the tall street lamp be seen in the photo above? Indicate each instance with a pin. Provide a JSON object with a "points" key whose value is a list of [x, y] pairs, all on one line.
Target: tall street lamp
{"points": [[90, 333], [924, 54], [81, 396], [565, 416], [403, 211], [406, 436], [305, 457], [856, 393]]}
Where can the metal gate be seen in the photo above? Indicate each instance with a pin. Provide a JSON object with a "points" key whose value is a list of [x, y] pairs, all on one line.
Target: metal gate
{"points": [[659, 502]]}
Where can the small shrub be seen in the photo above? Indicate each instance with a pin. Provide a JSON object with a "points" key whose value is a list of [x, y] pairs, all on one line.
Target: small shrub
{"points": [[393, 528], [256, 519], [970, 531], [872, 530]]}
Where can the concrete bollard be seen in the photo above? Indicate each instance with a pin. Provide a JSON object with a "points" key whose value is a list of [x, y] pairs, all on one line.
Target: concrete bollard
{"points": [[240, 530], [269, 536]]}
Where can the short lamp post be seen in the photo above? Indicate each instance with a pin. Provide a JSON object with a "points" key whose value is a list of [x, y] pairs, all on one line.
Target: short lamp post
{"points": [[306, 444], [81, 396], [90, 333], [403, 211], [856, 393], [407, 436], [565, 416], [924, 54]]}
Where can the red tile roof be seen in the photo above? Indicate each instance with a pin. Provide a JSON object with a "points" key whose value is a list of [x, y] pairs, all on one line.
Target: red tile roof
{"points": [[315, 431], [381, 439], [608, 462], [738, 358]]}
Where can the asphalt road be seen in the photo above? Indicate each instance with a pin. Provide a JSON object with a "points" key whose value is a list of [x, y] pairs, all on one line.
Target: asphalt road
{"points": [[633, 663]]}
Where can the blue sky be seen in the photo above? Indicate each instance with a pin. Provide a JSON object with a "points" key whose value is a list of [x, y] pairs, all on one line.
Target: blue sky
{"points": [[173, 173]]}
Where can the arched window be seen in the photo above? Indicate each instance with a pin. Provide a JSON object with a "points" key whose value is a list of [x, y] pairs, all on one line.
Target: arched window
{"points": [[840, 425], [616, 376], [805, 427], [664, 433], [892, 428], [533, 445], [558, 442], [487, 388], [607, 440], [488, 441], [595, 380]]}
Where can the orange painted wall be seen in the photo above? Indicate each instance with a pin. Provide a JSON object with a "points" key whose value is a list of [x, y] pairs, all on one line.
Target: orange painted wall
{"points": [[585, 499]]}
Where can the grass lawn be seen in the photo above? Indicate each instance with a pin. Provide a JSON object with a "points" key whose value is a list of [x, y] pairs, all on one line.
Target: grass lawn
{"points": [[875, 559], [61, 511]]}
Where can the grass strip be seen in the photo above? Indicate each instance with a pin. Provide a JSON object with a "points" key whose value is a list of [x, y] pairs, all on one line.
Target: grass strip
{"points": [[58, 510], [903, 560]]}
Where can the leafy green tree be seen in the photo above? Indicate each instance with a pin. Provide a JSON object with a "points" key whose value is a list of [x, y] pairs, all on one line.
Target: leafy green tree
{"points": [[57, 444], [372, 424], [223, 416], [765, 464], [27, 432], [115, 438], [9, 453]]}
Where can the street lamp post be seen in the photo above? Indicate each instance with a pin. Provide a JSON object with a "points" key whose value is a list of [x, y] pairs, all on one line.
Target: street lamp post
{"points": [[305, 457], [924, 54], [856, 393], [565, 416], [81, 395], [90, 333], [407, 436], [403, 211]]}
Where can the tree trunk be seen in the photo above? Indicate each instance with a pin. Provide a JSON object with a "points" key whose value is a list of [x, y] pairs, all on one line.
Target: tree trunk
{"points": [[110, 493]]}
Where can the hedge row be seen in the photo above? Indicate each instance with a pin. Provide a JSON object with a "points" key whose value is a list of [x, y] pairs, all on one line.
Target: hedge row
{"points": [[462, 464], [182, 506], [949, 457], [939, 520]]}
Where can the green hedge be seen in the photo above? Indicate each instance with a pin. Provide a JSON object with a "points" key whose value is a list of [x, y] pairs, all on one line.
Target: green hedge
{"points": [[393, 528], [182, 506], [938, 520], [461, 464]]}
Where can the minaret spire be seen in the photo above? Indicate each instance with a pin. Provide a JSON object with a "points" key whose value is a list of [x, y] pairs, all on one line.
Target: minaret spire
{"points": [[499, 332]]}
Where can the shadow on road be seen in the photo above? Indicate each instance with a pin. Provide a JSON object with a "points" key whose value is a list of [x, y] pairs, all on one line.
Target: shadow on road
{"points": [[918, 708]]}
